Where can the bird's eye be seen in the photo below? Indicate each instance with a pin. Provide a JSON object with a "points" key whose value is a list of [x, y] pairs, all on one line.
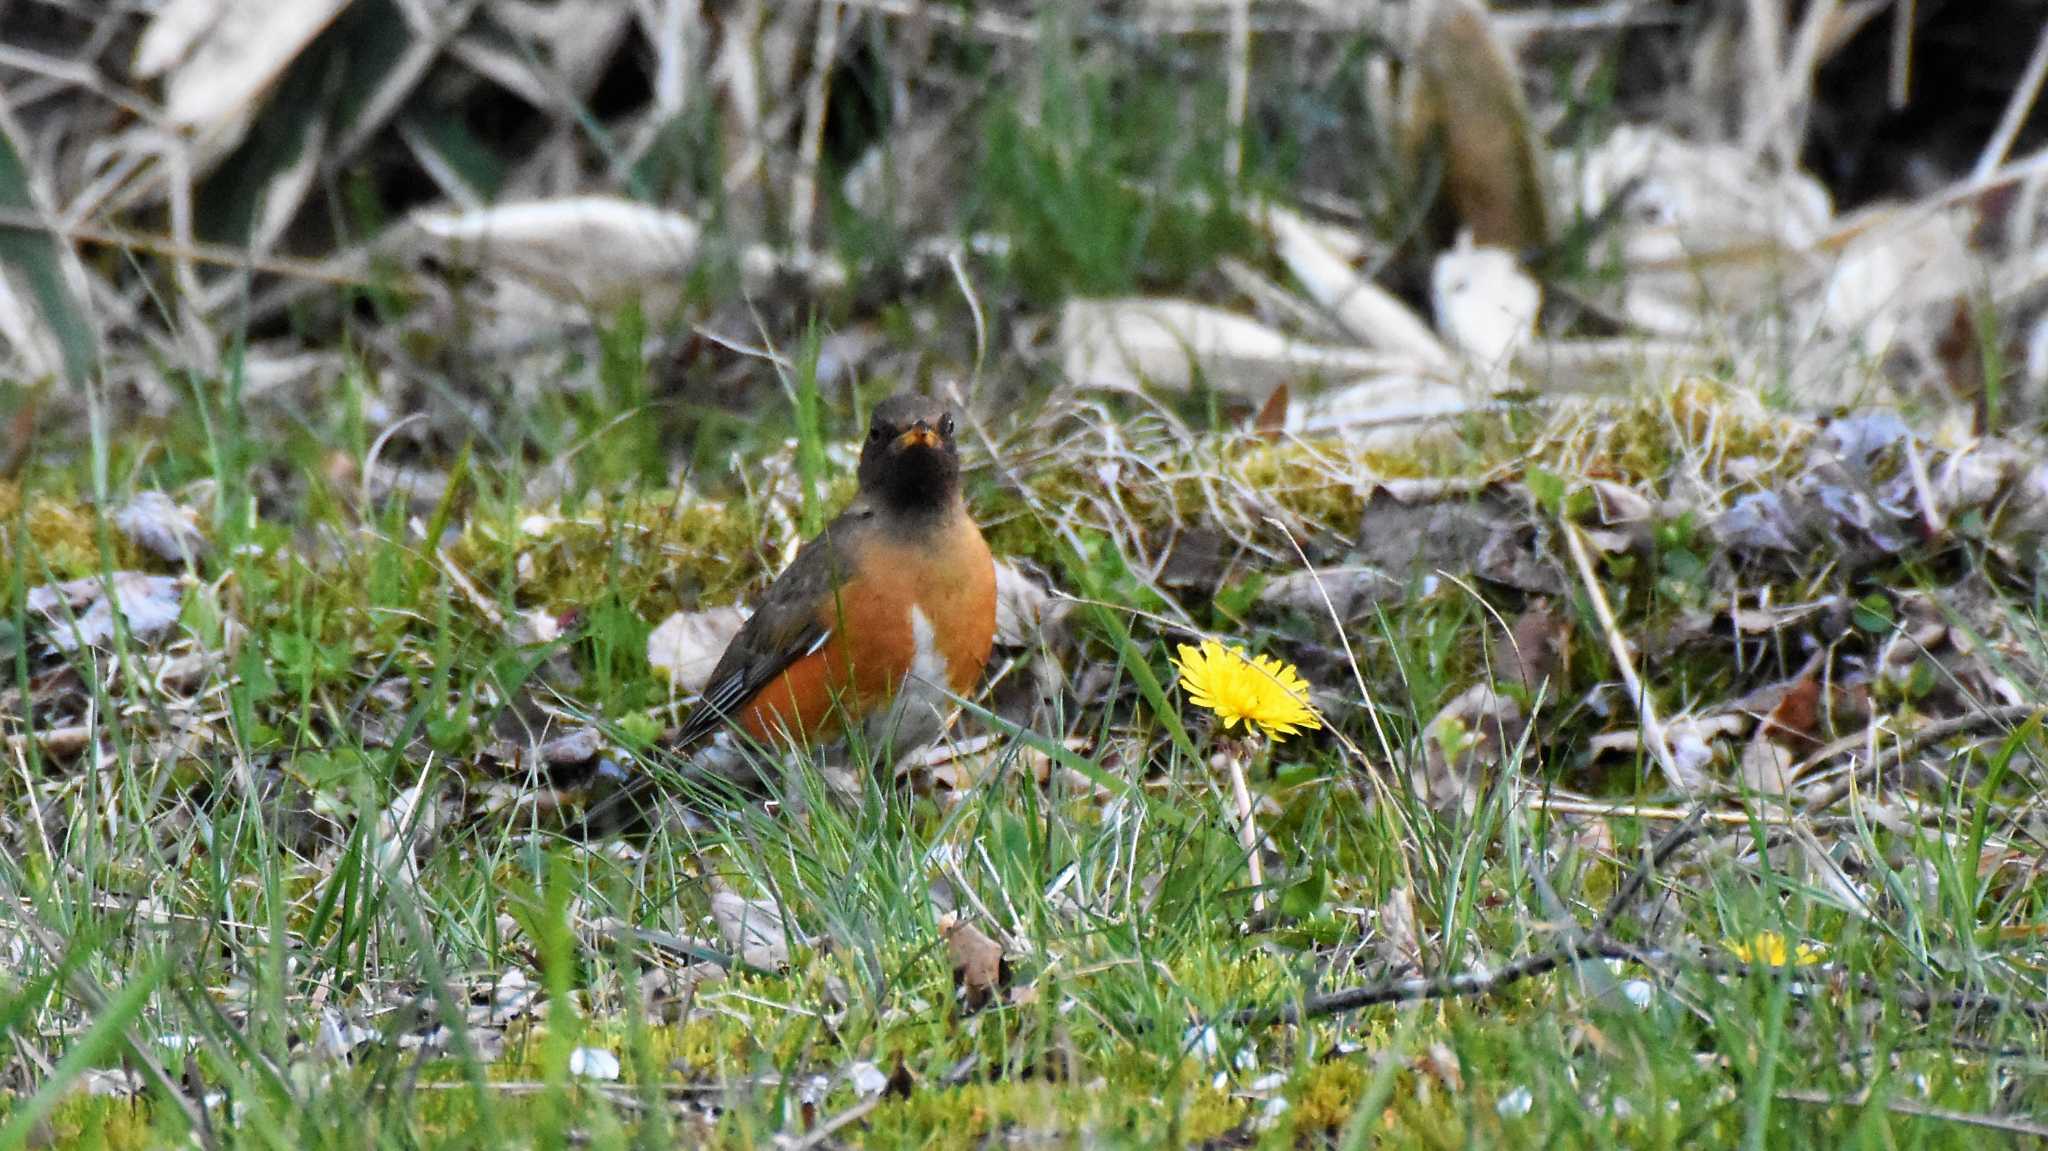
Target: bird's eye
{"points": [[946, 425], [875, 434]]}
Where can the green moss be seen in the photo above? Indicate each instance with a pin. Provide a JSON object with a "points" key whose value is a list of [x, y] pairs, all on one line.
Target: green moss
{"points": [[1133, 1114], [62, 536], [1324, 1096]]}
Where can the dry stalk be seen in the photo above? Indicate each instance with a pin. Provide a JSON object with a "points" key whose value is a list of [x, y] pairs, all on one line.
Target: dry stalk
{"points": [[1653, 728]]}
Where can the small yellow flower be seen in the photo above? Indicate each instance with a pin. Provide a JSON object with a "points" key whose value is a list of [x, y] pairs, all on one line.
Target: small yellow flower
{"points": [[1770, 949], [1256, 691]]}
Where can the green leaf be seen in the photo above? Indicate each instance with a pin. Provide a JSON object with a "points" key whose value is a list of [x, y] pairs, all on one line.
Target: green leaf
{"points": [[1304, 897], [108, 1032], [1548, 489], [1873, 613]]}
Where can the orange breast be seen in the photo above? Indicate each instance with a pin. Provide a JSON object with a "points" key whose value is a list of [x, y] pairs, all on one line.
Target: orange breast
{"points": [[948, 576]]}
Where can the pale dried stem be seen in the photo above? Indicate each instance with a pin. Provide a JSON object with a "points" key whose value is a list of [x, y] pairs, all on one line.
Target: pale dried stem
{"points": [[1654, 736], [1240, 86], [2016, 110], [804, 191], [1247, 825]]}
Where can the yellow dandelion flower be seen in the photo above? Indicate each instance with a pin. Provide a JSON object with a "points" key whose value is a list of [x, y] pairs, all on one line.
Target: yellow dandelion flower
{"points": [[1256, 691], [1769, 949]]}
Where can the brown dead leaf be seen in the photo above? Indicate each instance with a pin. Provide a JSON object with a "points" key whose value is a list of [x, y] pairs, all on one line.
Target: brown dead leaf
{"points": [[979, 969], [1466, 741], [1538, 644], [1271, 420]]}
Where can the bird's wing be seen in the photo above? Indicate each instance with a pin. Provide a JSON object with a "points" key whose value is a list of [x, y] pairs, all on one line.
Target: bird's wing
{"points": [[793, 619]]}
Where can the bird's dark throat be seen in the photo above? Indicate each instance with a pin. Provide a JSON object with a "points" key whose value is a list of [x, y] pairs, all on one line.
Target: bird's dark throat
{"points": [[916, 481]]}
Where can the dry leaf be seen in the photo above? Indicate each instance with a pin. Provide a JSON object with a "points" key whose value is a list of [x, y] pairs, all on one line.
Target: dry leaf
{"points": [[588, 249], [753, 928], [1486, 305], [1399, 941], [160, 526], [1020, 606], [1270, 422], [1384, 412], [1705, 233], [81, 613], [1370, 313], [1897, 276], [979, 969], [686, 646], [213, 79], [1130, 343], [1470, 737]]}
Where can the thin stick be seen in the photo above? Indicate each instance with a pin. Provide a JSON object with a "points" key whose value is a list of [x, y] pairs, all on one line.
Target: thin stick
{"points": [[804, 191], [344, 271], [1902, 54], [1239, 96], [2010, 1124], [2016, 110], [1646, 712], [1903, 749], [1479, 983]]}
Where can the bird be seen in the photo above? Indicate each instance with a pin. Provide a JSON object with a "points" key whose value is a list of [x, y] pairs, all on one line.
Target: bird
{"points": [[879, 620]]}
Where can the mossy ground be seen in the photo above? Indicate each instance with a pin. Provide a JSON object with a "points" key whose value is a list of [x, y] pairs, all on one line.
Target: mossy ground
{"points": [[1125, 923]]}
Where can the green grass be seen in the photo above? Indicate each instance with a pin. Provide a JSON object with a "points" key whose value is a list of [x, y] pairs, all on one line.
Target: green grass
{"points": [[259, 872], [312, 828]]}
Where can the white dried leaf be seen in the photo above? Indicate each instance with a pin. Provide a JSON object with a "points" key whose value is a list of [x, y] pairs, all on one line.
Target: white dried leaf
{"points": [[594, 1063], [1020, 602], [337, 1035], [587, 248], [686, 645], [580, 36], [31, 347], [1766, 767], [866, 1079], [240, 54], [81, 611], [403, 826], [1369, 312], [1704, 233], [160, 526], [1382, 411], [1169, 343], [752, 928], [1892, 275], [1399, 942], [1486, 305], [177, 26]]}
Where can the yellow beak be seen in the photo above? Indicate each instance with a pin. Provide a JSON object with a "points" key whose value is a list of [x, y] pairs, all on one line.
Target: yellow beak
{"points": [[919, 434]]}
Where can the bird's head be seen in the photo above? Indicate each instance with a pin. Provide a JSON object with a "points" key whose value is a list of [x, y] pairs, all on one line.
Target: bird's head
{"points": [[909, 462]]}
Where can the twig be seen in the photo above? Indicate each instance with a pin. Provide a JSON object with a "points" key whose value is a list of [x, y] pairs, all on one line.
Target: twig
{"points": [[1660, 854], [2010, 1124], [1587, 946], [1479, 983], [1900, 750], [1598, 944], [834, 1125], [1239, 94], [1646, 712], [2016, 110], [804, 185]]}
